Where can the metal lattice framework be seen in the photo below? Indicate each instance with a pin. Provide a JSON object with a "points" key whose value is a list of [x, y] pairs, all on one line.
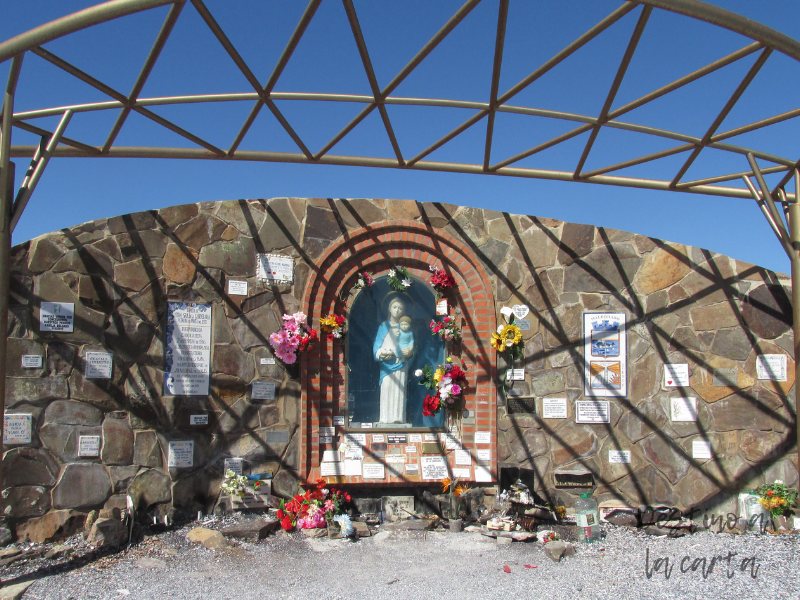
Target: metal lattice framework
{"points": [[779, 208]]}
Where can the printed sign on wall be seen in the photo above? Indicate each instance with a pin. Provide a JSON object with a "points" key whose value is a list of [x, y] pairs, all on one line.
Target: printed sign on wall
{"points": [[277, 268], [57, 316], [188, 349], [605, 354]]}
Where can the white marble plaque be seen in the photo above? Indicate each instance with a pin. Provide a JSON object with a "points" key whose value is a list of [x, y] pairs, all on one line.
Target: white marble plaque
{"points": [[366, 426], [198, 419], [395, 459], [676, 375], [359, 439], [338, 421], [462, 473], [237, 288], [433, 467], [482, 474], [352, 467], [701, 449], [181, 454], [463, 457], [188, 349], [605, 353], [592, 411], [772, 367], [267, 361], [515, 375], [684, 409], [328, 430], [554, 408], [520, 311], [483, 455], [331, 469], [430, 437], [412, 469], [233, 464], [415, 438], [410, 449], [451, 442], [88, 446], [57, 316], [441, 307], [619, 456], [483, 437], [331, 456], [378, 438], [31, 361], [262, 390], [17, 428], [373, 471], [98, 365], [277, 268], [326, 439]]}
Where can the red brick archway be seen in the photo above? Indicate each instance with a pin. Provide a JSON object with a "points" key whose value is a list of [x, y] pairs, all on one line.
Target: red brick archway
{"points": [[377, 249]]}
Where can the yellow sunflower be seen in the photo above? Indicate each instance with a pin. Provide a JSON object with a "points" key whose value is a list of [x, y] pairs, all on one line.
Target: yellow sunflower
{"points": [[506, 337], [498, 343]]}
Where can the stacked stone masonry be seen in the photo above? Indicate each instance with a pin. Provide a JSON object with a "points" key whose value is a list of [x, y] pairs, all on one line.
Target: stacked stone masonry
{"points": [[682, 304]]}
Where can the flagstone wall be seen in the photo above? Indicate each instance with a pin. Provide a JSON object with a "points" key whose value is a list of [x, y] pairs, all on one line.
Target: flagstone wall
{"points": [[681, 304]]}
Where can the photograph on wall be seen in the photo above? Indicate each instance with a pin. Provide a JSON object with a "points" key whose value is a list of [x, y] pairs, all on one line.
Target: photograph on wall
{"points": [[388, 341], [605, 354]]}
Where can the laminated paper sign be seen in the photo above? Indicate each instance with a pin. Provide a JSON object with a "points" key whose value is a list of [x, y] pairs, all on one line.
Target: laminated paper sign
{"points": [[605, 354], [554, 408], [771, 366], [188, 349], [592, 411], [57, 316], [676, 375], [684, 409], [234, 464], [88, 445], [277, 268]]}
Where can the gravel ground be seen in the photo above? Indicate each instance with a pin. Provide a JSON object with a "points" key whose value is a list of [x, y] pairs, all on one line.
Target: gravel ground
{"points": [[409, 565]]}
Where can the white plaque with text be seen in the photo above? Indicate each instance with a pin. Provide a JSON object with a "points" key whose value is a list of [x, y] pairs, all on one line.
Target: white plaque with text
{"points": [[267, 361], [373, 471], [592, 411], [554, 408], [98, 365], [57, 316], [331, 469], [410, 450], [237, 288], [463, 457], [433, 467], [198, 419], [17, 428], [701, 449], [181, 454], [277, 268], [684, 409], [31, 361], [772, 366], [327, 430], [676, 375], [622, 457], [263, 390], [188, 349], [483, 455], [483, 437], [378, 438], [414, 438], [88, 445], [483, 474], [352, 467], [338, 421], [234, 464]]}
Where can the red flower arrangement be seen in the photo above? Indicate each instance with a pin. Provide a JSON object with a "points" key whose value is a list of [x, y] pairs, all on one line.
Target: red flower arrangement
{"points": [[315, 508], [440, 280], [448, 381], [446, 328]]}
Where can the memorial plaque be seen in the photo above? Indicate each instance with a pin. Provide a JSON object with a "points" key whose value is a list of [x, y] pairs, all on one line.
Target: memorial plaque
{"points": [[520, 311], [57, 316], [772, 367], [396, 459], [338, 421], [188, 349], [554, 408], [462, 473], [327, 430], [515, 375], [400, 507], [676, 375], [331, 456], [684, 409], [701, 449], [431, 437], [463, 457], [410, 449], [592, 411], [432, 448], [366, 426], [181, 454], [395, 450], [433, 467], [326, 439], [513, 393], [605, 354], [31, 361], [379, 447], [523, 324], [619, 456], [483, 437], [395, 438], [521, 406], [98, 365], [451, 442], [89, 446], [483, 456], [267, 361], [233, 464], [378, 437], [352, 468], [280, 436], [275, 268], [725, 377], [237, 288], [356, 438], [198, 419], [262, 390], [17, 428], [483, 474], [415, 438], [441, 307], [332, 469], [412, 469], [373, 471]]}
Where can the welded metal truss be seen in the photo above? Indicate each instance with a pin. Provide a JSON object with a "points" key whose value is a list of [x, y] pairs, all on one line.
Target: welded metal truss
{"points": [[55, 143]]}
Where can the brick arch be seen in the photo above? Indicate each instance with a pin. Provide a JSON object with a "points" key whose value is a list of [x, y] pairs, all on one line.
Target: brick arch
{"points": [[378, 248]]}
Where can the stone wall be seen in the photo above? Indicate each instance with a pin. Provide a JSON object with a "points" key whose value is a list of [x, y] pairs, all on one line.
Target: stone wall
{"points": [[683, 305]]}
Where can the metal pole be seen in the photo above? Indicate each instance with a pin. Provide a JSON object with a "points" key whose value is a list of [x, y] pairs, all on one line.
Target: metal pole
{"points": [[794, 235], [6, 196]]}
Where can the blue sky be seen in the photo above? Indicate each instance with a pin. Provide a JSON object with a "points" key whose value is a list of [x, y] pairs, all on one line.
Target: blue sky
{"points": [[78, 190]]}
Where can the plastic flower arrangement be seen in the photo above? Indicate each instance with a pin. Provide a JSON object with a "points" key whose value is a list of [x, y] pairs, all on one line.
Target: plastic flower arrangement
{"points": [[295, 337], [508, 338], [316, 508], [233, 484], [399, 278], [776, 497], [333, 325], [446, 328], [441, 281], [365, 280], [448, 382]]}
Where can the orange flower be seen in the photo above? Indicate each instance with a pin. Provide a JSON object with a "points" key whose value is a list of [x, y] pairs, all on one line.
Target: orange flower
{"points": [[445, 484], [460, 489]]}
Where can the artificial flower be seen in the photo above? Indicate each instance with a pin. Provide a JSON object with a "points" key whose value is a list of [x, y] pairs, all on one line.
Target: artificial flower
{"points": [[406, 282], [506, 312], [418, 373], [445, 484], [392, 273]]}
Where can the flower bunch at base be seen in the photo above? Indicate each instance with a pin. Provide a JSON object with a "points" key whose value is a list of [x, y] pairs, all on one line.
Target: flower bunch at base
{"points": [[777, 497], [333, 325], [313, 509], [233, 484], [399, 278]]}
